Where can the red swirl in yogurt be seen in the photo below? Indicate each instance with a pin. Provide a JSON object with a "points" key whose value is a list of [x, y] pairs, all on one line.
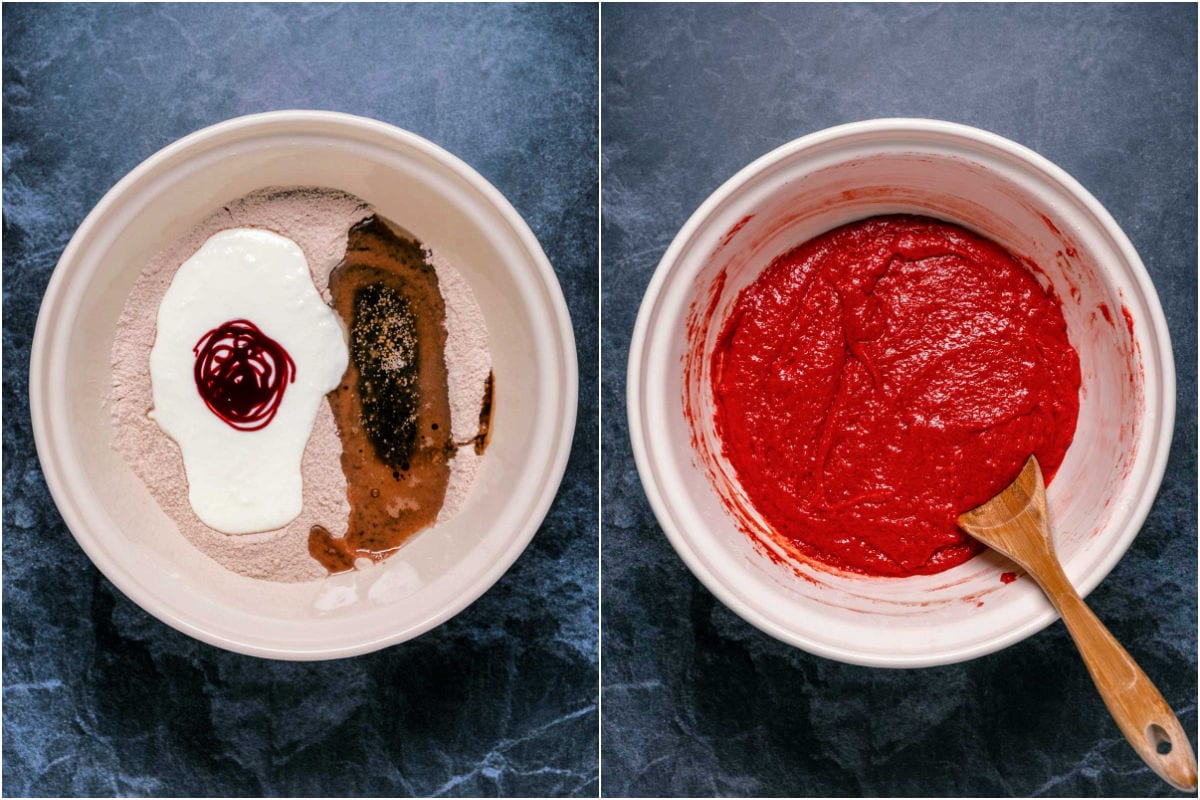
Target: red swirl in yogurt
{"points": [[242, 374]]}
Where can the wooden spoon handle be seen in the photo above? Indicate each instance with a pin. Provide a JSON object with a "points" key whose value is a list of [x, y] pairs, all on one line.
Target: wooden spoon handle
{"points": [[1134, 702]]}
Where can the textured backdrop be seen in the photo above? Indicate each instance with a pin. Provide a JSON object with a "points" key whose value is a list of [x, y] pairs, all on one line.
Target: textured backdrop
{"points": [[698, 702], [100, 698]]}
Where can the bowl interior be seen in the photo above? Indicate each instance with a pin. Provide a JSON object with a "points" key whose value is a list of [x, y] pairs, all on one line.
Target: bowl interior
{"points": [[445, 205], [965, 611]]}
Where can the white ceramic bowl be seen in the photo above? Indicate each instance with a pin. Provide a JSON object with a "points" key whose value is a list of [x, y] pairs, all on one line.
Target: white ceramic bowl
{"points": [[1111, 473], [445, 204]]}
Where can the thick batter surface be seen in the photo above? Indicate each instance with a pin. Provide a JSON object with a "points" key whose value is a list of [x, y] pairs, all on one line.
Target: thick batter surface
{"points": [[884, 377]]}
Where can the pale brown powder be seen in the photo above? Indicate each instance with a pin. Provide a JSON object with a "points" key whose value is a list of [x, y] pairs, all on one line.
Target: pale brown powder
{"points": [[318, 220], [468, 362]]}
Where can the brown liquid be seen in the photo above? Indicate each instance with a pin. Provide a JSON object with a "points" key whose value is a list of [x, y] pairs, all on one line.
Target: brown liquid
{"points": [[324, 547], [392, 407], [485, 416]]}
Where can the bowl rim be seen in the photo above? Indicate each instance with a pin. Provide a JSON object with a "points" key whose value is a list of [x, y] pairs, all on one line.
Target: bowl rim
{"points": [[49, 345], [898, 126]]}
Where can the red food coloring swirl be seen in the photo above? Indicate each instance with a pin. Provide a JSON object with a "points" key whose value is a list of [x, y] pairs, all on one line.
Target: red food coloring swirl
{"points": [[241, 374]]}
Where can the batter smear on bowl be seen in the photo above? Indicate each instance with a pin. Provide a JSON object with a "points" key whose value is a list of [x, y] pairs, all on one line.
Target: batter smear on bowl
{"points": [[880, 379]]}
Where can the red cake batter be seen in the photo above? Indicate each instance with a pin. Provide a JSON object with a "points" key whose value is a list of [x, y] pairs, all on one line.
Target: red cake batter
{"points": [[884, 377]]}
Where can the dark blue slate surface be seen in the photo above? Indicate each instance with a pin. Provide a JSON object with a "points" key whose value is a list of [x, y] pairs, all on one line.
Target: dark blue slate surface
{"points": [[101, 699], [697, 702]]}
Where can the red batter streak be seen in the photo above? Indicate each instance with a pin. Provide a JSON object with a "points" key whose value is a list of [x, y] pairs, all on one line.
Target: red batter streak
{"points": [[880, 379]]}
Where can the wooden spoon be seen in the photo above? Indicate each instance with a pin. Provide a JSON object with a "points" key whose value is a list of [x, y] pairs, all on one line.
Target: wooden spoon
{"points": [[1015, 523]]}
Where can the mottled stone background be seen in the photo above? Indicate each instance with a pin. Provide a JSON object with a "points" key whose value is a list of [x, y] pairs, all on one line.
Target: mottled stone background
{"points": [[100, 698], [696, 701]]}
